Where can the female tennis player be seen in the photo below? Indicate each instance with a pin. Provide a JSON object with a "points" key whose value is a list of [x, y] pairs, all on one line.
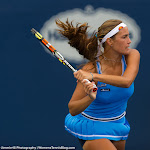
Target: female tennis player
{"points": [[97, 119]]}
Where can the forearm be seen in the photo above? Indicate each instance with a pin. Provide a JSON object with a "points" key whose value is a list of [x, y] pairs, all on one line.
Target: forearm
{"points": [[76, 107], [114, 80]]}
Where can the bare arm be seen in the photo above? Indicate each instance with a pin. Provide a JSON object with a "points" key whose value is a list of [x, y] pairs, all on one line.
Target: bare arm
{"points": [[129, 75], [79, 101], [82, 97], [132, 60]]}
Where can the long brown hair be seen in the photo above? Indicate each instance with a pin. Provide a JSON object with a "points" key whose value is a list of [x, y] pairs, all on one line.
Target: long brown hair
{"points": [[78, 36]]}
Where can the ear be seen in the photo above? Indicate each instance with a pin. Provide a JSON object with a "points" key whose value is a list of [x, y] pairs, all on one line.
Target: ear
{"points": [[109, 41]]}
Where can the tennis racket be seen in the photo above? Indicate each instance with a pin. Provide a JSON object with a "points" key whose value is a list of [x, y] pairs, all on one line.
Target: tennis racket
{"points": [[56, 53]]}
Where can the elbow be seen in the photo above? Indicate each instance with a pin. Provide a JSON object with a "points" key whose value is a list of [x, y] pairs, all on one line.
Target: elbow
{"points": [[71, 110], [128, 83], [72, 113]]}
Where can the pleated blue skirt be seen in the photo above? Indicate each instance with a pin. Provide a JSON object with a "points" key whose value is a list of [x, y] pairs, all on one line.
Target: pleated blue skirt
{"points": [[87, 129]]}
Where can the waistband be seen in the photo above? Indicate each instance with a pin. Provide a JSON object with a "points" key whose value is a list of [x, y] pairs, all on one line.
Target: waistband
{"points": [[104, 119]]}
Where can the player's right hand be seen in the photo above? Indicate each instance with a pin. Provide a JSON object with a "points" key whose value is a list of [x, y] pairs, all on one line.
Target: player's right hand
{"points": [[88, 88]]}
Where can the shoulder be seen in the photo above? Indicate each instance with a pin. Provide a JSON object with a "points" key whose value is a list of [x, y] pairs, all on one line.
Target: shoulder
{"points": [[89, 67], [133, 54], [133, 57]]}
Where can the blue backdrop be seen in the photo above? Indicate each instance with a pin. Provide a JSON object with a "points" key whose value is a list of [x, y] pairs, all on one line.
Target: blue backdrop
{"points": [[35, 88]]}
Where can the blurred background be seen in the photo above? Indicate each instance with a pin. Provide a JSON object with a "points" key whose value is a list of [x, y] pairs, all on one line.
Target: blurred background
{"points": [[35, 88]]}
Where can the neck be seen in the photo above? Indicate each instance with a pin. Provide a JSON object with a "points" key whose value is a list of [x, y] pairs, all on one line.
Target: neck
{"points": [[112, 56]]}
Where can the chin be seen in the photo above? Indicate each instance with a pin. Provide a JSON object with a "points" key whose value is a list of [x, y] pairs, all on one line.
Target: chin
{"points": [[126, 51]]}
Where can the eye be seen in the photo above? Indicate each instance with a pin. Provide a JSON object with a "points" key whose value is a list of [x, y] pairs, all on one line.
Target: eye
{"points": [[124, 36]]}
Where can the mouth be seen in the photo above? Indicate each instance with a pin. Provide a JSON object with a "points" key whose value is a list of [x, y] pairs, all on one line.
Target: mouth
{"points": [[127, 48]]}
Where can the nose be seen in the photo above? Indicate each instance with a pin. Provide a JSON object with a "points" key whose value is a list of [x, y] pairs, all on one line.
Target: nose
{"points": [[129, 41]]}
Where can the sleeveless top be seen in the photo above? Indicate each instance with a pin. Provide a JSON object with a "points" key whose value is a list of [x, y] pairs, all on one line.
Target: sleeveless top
{"points": [[111, 101]]}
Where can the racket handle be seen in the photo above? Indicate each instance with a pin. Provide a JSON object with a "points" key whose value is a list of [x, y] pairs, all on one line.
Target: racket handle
{"points": [[94, 86]]}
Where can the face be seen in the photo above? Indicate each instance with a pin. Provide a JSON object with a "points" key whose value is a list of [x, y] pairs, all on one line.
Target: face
{"points": [[121, 41]]}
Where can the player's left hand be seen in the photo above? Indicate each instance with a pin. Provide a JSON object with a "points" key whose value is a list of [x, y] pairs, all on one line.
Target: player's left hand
{"points": [[80, 75]]}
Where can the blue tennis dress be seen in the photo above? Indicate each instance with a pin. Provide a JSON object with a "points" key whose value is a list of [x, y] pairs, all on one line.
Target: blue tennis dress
{"points": [[105, 116]]}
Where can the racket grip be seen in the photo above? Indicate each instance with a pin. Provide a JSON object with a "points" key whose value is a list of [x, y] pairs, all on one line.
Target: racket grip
{"points": [[94, 86]]}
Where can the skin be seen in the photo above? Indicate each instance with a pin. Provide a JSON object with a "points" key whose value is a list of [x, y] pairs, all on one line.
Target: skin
{"points": [[111, 74], [104, 144]]}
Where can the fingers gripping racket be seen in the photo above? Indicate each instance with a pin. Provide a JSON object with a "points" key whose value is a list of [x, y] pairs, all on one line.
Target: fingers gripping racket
{"points": [[56, 53]]}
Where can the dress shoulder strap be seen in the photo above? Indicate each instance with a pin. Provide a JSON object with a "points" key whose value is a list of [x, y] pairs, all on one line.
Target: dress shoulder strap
{"points": [[124, 62], [98, 67]]}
